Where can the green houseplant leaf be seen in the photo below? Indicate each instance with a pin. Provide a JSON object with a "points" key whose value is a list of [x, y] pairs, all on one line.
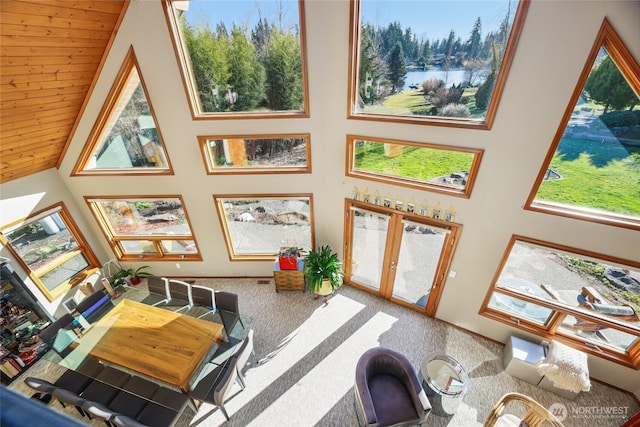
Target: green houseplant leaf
{"points": [[321, 264]]}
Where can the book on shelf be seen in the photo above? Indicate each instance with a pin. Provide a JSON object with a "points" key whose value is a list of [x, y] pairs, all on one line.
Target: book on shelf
{"points": [[8, 366]]}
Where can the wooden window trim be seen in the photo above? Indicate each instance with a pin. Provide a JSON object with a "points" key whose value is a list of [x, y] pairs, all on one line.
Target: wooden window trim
{"points": [[83, 248], [407, 182], [630, 358], [239, 170], [114, 241], [609, 39], [218, 200], [189, 85], [129, 64], [486, 124], [444, 260]]}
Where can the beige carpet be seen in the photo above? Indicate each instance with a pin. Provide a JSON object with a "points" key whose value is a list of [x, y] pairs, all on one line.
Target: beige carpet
{"points": [[305, 356]]}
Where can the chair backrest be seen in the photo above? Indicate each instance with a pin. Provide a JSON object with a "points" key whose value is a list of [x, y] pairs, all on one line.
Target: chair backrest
{"points": [[40, 385], [90, 301], [227, 301], [227, 378], [180, 290], [123, 421], [201, 295], [98, 410], [536, 415], [59, 335], [244, 350], [158, 285], [69, 398], [48, 333]]}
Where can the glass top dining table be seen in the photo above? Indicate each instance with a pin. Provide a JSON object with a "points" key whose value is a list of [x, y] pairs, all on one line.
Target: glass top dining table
{"points": [[170, 342]]}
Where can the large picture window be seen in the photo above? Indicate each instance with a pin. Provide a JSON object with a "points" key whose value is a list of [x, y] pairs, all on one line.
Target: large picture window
{"points": [[592, 169], [243, 58], [587, 299], [145, 227], [51, 249], [431, 62], [448, 170], [256, 226]]}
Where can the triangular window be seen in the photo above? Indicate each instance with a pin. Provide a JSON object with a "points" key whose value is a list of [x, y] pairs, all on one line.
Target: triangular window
{"points": [[125, 137], [592, 169]]}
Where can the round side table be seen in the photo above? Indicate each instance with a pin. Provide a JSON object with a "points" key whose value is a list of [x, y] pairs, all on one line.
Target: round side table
{"points": [[446, 383]]}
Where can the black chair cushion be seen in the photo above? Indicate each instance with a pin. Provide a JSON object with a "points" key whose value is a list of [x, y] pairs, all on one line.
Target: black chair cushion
{"points": [[73, 381], [391, 399], [170, 398], [136, 394], [157, 415]]}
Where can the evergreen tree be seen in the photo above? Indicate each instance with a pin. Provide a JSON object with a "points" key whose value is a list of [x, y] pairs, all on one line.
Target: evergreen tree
{"points": [[208, 64], [397, 68], [246, 85], [448, 50], [475, 40], [260, 38], [483, 95], [283, 66], [372, 69], [607, 86]]}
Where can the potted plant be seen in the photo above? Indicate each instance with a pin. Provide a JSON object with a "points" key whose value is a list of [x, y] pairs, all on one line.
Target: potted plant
{"points": [[288, 257], [323, 270], [129, 275]]}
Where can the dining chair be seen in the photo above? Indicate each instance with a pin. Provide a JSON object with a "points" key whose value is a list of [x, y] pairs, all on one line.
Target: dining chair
{"points": [[106, 385], [179, 294], [94, 306], [224, 376], [120, 420], [58, 335], [242, 353], [95, 410], [171, 399], [158, 288], [164, 409], [44, 389], [228, 307], [133, 397], [67, 397], [203, 296], [70, 380]]}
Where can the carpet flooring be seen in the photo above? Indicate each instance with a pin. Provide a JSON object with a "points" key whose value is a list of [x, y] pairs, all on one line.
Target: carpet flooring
{"points": [[305, 355]]}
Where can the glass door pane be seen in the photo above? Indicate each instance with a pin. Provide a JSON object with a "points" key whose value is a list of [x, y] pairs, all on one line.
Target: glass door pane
{"points": [[418, 260], [369, 240]]}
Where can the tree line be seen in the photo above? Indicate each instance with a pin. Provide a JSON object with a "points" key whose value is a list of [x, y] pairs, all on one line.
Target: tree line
{"points": [[240, 70], [387, 52]]}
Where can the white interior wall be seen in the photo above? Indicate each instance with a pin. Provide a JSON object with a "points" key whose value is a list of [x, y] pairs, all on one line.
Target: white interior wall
{"points": [[556, 39]]}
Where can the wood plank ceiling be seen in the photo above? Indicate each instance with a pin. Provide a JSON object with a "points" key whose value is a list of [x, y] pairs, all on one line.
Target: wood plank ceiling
{"points": [[51, 52]]}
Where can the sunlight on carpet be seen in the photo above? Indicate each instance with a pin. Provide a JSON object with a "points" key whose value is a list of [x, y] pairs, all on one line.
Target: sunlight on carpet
{"points": [[320, 388]]}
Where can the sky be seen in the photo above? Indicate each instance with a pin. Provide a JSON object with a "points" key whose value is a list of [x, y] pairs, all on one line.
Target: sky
{"points": [[432, 19]]}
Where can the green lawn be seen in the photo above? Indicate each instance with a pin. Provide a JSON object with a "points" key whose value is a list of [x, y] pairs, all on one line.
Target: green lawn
{"points": [[416, 163], [596, 175]]}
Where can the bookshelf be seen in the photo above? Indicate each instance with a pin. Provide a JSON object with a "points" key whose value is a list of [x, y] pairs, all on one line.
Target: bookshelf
{"points": [[21, 320]]}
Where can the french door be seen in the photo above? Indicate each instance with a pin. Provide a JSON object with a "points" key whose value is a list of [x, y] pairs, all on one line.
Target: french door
{"points": [[401, 256]]}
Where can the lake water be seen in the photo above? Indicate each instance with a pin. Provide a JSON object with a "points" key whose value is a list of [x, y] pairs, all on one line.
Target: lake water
{"points": [[417, 77]]}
